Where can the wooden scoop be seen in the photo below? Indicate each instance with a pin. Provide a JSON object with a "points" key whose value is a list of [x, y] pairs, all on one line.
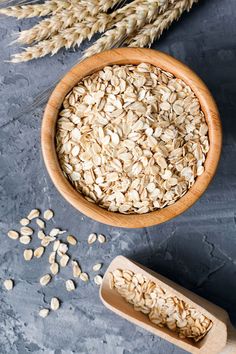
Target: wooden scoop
{"points": [[220, 339]]}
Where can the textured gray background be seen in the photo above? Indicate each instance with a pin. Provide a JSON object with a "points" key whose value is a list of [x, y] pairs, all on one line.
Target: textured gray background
{"points": [[197, 249]]}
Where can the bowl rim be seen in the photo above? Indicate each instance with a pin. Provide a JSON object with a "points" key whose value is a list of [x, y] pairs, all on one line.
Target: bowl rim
{"points": [[122, 56]]}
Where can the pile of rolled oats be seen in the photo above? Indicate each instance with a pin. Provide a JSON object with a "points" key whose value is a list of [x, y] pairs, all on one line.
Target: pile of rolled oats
{"points": [[163, 308], [131, 138]]}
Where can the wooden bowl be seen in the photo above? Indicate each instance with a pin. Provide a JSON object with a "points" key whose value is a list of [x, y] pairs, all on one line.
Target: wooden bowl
{"points": [[130, 56]]}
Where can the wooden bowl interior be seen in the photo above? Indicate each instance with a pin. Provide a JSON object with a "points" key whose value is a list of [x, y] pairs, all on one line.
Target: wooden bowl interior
{"points": [[211, 343], [130, 56]]}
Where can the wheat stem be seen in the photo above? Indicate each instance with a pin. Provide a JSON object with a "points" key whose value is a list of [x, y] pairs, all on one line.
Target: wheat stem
{"points": [[152, 31], [27, 11]]}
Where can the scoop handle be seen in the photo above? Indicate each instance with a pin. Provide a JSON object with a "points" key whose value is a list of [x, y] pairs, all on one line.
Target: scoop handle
{"points": [[230, 347]]}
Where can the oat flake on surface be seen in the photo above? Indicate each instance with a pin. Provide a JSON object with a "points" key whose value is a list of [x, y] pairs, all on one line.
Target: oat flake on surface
{"points": [[33, 214], [24, 222], [8, 284], [14, 235], [45, 279], [70, 285], [55, 303], [28, 254], [43, 313], [132, 139], [48, 214]]}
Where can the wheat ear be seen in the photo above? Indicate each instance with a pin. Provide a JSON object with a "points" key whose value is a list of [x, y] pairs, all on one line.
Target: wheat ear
{"points": [[64, 19], [27, 11], [152, 31], [68, 38], [74, 35], [123, 29]]}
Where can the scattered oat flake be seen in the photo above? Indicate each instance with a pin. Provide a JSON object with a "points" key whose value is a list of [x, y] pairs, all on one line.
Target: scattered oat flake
{"points": [[38, 252], [71, 240], [46, 240], [84, 276], [41, 234], [43, 313], [64, 260], [8, 284], [98, 279], [52, 257], [14, 235], [101, 238], [55, 303], [28, 254], [97, 267], [63, 248], [25, 240], [70, 285], [40, 223], [92, 238], [26, 231], [54, 232], [48, 214], [24, 222], [45, 279], [56, 245], [76, 269], [33, 214], [54, 268]]}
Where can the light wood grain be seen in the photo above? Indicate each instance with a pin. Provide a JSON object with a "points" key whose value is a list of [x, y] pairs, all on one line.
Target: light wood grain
{"points": [[130, 56], [221, 336]]}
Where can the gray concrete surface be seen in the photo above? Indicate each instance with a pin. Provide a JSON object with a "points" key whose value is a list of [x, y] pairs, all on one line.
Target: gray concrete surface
{"points": [[197, 249]]}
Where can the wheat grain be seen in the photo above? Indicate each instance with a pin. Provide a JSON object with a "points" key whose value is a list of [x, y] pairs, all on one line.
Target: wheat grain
{"points": [[96, 6], [36, 10], [152, 31]]}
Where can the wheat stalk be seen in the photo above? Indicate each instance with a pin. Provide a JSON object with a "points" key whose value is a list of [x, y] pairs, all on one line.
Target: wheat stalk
{"points": [[123, 29], [27, 11], [64, 19], [75, 35], [152, 31]]}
